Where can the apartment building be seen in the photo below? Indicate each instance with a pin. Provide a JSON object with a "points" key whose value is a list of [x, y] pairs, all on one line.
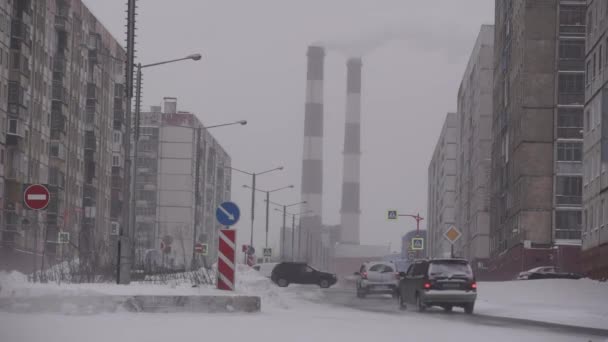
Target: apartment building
{"points": [[536, 174], [64, 70], [441, 208], [594, 256], [182, 177], [473, 162]]}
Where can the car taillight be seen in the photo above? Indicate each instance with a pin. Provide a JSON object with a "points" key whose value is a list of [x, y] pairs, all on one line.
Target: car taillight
{"points": [[474, 286], [427, 285], [364, 275]]}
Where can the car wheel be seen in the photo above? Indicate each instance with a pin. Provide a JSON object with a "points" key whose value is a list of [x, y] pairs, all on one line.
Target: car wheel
{"points": [[402, 304], [361, 293], [324, 284], [419, 304], [282, 282], [468, 308], [447, 308]]}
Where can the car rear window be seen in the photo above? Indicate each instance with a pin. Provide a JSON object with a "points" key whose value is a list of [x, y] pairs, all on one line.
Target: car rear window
{"points": [[450, 269]]}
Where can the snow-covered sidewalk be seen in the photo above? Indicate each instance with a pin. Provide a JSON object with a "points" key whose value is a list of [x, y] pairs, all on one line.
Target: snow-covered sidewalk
{"points": [[580, 302]]}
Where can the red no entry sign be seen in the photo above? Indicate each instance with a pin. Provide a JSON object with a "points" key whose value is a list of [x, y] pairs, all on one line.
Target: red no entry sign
{"points": [[36, 197]]}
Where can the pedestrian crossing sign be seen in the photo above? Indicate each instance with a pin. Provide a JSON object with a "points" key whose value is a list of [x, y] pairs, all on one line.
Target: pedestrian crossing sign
{"points": [[392, 214], [417, 244]]}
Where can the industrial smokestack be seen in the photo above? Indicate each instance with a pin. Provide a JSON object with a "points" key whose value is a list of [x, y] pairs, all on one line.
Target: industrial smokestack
{"points": [[312, 160], [350, 211]]}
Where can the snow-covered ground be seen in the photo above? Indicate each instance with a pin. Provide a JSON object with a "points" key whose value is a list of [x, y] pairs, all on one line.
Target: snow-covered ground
{"points": [[295, 314], [581, 302]]}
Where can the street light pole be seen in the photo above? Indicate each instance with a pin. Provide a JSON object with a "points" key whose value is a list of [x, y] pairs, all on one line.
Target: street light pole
{"points": [[267, 215], [253, 179], [135, 134], [268, 205], [253, 175], [283, 233]]}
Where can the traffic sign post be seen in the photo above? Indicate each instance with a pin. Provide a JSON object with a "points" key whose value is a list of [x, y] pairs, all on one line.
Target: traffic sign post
{"points": [[417, 244], [201, 248], [228, 214], [63, 237], [393, 215], [36, 197], [226, 259], [452, 235]]}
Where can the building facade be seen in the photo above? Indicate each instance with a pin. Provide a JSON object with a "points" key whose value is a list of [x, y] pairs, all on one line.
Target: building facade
{"points": [[473, 162], [536, 174], [442, 188], [63, 70], [182, 177], [594, 257]]}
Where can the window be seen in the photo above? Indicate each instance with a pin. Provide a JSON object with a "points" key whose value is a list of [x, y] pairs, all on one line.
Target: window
{"points": [[571, 88], [572, 15], [115, 160], [569, 123], [567, 151], [588, 72], [12, 126], [600, 214], [569, 190], [116, 137], [587, 121], [594, 65], [600, 59]]}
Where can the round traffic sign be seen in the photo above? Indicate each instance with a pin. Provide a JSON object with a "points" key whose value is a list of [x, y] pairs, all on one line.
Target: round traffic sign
{"points": [[36, 197], [228, 214]]}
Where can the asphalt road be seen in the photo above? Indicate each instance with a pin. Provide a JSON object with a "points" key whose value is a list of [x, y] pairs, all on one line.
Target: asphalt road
{"points": [[385, 304]]}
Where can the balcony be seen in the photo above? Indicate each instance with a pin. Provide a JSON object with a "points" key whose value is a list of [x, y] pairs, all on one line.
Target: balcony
{"points": [[568, 200], [59, 93], [572, 30], [61, 23], [58, 121], [567, 64], [89, 195], [570, 132], [90, 141], [57, 151], [571, 98], [92, 92], [20, 33]]}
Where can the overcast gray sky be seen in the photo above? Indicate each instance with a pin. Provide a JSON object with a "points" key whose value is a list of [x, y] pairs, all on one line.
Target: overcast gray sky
{"points": [[254, 68]]}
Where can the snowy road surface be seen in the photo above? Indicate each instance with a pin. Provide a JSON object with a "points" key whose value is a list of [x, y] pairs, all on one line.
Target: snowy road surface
{"points": [[307, 322], [297, 313]]}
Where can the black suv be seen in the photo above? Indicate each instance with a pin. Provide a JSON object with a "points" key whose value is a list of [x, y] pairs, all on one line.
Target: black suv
{"points": [[438, 282], [287, 273]]}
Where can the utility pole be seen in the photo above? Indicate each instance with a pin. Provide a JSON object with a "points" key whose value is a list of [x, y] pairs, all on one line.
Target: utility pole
{"points": [[283, 237], [293, 237], [123, 267], [197, 196]]}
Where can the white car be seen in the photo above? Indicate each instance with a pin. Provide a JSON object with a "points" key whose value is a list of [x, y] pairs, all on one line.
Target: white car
{"points": [[266, 268], [541, 270], [377, 277]]}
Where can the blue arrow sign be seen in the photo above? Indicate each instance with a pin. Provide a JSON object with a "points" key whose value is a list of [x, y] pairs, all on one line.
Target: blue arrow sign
{"points": [[228, 214]]}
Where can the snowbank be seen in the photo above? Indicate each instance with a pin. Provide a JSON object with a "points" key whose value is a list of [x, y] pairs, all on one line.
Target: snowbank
{"points": [[581, 302]]}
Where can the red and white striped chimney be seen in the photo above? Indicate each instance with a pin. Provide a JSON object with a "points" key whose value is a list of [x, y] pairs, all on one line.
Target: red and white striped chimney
{"points": [[312, 160], [350, 212]]}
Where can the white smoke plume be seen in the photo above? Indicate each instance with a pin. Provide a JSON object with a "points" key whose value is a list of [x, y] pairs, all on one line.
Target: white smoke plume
{"points": [[362, 43]]}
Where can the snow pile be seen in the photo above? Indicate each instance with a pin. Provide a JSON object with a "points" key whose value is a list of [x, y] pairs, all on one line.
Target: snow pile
{"points": [[565, 301]]}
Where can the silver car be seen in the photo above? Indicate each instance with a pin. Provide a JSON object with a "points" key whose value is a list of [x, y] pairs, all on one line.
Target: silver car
{"points": [[378, 277]]}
